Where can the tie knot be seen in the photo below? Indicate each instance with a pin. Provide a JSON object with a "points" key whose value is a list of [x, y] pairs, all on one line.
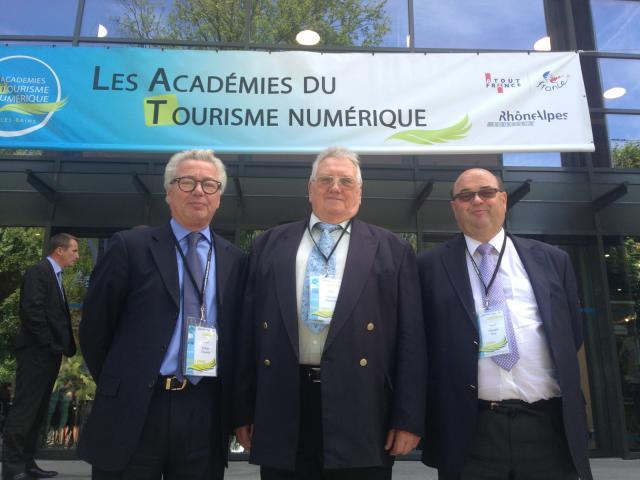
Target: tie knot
{"points": [[484, 249], [327, 227], [193, 238]]}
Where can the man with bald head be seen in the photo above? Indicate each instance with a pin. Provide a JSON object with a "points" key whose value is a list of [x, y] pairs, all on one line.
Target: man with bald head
{"points": [[332, 364], [503, 327]]}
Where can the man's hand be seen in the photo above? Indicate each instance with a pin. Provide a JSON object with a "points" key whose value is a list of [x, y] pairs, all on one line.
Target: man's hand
{"points": [[243, 435], [400, 442]]}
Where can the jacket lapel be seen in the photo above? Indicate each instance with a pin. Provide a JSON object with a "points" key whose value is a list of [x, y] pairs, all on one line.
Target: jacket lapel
{"points": [[455, 263], [164, 255], [534, 261], [223, 267], [284, 260], [62, 295], [360, 258]]}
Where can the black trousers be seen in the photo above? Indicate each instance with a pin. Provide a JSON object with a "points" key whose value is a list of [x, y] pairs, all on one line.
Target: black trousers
{"points": [[36, 372], [309, 459], [518, 441], [181, 438]]}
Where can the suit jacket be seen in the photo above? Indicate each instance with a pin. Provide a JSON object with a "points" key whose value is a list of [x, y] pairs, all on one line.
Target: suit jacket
{"points": [[359, 403], [130, 313], [452, 339], [44, 314]]}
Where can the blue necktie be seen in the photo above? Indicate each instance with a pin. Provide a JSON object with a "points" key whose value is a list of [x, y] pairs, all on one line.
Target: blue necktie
{"points": [[497, 301], [318, 266], [190, 296], [61, 285]]}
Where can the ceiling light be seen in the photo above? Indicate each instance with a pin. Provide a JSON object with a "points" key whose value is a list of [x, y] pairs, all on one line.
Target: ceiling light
{"points": [[614, 92], [543, 45], [102, 31], [308, 37]]}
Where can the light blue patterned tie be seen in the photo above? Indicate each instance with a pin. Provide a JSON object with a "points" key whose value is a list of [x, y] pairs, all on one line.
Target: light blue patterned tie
{"points": [[317, 265], [497, 301]]}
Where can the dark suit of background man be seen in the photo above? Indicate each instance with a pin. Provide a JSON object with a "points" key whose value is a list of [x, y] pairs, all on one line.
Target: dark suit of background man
{"points": [[150, 420], [339, 397], [45, 335], [519, 415]]}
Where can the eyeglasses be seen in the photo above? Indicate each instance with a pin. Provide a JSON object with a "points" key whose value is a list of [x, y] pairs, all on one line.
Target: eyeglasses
{"points": [[328, 181], [188, 185], [483, 193]]}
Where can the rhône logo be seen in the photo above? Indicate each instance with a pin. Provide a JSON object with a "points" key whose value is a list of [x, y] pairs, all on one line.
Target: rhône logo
{"points": [[500, 83], [551, 82], [30, 94]]}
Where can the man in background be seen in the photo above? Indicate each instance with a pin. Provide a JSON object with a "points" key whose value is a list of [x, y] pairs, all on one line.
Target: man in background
{"points": [[45, 335]]}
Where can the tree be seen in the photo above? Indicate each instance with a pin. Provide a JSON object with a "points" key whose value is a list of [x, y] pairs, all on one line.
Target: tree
{"points": [[626, 155], [339, 22]]}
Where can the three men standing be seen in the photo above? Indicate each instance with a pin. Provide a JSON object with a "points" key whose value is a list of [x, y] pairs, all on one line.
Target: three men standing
{"points": [[45, 335], [157, 335], [503, 327], [332, 364]]}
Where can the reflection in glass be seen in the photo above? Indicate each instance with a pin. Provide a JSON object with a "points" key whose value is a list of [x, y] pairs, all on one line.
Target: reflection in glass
{"points": [[621, 73], [616, 25], [623, 271], [339, 22], [537, 159], [38, 17], [624, 140], [479, 24]]}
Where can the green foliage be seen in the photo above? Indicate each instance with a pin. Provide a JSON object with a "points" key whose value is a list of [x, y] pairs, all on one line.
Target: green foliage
{"points": [[19, 248], [339, 22], [626, 155]]}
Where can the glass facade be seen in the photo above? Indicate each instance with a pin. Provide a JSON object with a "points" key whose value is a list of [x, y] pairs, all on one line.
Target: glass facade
{"points": [[563, 199]]}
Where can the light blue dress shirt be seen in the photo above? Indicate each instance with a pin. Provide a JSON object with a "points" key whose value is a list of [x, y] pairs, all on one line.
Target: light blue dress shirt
{"points": [[170, 362]]}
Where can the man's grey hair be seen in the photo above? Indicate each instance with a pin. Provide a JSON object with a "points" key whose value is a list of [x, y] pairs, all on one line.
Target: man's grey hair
{"points": [[337, 152], [60, 240], [199, 155]]}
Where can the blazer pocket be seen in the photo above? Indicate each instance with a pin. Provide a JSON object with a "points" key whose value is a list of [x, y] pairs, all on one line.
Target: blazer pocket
{"points": [[108, 386]]}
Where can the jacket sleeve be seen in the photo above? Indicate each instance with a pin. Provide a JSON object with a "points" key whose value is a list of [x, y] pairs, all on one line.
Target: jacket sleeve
{"points": [[103, 303], [33, 304], [409, 397]]}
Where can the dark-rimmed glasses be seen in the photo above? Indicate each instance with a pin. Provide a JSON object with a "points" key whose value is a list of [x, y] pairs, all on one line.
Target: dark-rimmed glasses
{"points": [[483, 193], [188, 185], [328, 181]]}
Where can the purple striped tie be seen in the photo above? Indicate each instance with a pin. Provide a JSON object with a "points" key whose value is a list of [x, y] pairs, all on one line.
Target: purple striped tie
{"points": [[497, 301]]}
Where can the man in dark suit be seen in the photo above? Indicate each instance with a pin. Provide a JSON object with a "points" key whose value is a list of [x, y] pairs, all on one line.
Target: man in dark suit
{"points": [[157, 334], [331, 370], [503, 327], [45, 335]]}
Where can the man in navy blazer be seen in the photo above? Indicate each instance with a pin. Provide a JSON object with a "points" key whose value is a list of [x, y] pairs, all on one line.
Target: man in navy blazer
{"points": [[511, 408], [153, 417], [334, 395], [45, 335]]}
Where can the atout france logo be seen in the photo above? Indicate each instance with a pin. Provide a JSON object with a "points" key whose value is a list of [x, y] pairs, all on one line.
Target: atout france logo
{"points": [[500, 83], [30, 93], [550, 81]]}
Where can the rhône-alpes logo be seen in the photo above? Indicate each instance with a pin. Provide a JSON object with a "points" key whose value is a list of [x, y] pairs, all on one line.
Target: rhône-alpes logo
{"points": [[550, 81], [30, 93], [501, 83]]}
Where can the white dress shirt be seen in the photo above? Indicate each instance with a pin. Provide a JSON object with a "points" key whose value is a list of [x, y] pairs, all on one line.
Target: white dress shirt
{"points": [[533, 378], [311, 344]]}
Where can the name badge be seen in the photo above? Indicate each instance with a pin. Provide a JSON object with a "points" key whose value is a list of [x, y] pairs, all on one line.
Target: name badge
{"points": [[323, 295], [493, 333], [200, 350]]}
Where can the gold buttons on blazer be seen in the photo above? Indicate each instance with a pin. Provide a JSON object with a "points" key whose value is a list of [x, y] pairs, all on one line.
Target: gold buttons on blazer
{"points": [[265, 325], [363, 362], [267, 362], [370, 326]]}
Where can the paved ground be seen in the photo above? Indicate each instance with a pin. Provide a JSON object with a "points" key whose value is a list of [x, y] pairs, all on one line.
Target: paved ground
{"points": [[603, 469]]}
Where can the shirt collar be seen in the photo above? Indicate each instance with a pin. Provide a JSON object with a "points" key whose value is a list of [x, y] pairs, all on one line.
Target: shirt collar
{"points": [[180, 232], [496, 242], [56, 268], [313, 220]]}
